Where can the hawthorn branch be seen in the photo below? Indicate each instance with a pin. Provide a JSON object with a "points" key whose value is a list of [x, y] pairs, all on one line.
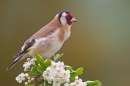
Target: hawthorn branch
{"points": [[40, 82], [35, 81]]}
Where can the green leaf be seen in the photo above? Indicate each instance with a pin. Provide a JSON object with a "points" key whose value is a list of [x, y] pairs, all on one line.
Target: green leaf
{"points": [[40, 60], [30, 74], [69, 68], [47, 84], [72, 76], [57, 56], [47, 63], [79, 71], [41, 68], [94, 83], [28, 85], [34, 71]]}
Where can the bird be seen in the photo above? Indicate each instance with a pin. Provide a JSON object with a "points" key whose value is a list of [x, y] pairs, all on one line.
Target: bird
{"points": [[49, 39]]}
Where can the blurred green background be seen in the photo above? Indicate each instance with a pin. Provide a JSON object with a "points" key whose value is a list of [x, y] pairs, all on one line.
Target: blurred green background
{"points": [[100, 41]]}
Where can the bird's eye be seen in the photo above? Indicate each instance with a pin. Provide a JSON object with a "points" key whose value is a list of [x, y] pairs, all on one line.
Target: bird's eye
{"points": [[69, 17]]}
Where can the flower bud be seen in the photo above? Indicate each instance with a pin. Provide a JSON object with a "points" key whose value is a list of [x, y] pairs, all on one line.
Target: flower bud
{"points": [[29, 81], [26, 83], [32, 79]]}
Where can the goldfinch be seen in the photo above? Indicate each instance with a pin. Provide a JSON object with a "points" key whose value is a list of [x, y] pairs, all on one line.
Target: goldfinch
{"points": [[49, 39]]}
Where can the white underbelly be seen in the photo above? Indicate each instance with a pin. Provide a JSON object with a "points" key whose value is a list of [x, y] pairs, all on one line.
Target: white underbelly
{"points": [[49, 53]]}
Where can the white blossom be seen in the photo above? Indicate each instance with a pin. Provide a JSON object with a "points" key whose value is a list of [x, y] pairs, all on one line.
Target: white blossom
{"points": [[47, 75], [60, 64], [29, 62], [56, 83], [54, 66], [66, 74], [50, 80], [66, 84], [32, 61], [59, 72], [56, 74], [78, 82], [26, 65], [20, 77], [48, 69]]}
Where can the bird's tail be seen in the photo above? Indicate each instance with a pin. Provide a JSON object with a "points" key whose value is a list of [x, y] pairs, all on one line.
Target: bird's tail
{"points": [[18, 58], [22, 54]]}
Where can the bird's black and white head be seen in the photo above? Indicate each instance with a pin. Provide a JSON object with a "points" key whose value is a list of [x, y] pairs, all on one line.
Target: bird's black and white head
{"points": [[66, 19]]}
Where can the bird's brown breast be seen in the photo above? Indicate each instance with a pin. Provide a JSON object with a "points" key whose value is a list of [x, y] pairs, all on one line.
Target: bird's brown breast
{"points": [[63, 34]]}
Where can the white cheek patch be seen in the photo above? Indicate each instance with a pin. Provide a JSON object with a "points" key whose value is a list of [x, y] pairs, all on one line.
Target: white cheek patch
{"points": [[64, 23], [63, 20]]}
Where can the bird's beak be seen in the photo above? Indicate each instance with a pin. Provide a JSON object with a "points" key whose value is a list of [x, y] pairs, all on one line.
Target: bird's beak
{"points": [[73, 20]]}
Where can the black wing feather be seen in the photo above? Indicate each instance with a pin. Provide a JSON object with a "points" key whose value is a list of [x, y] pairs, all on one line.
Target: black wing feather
{"points": [[25, 48]]}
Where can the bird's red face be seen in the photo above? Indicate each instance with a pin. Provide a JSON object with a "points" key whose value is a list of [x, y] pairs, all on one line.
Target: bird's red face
{"points": [[66, 19], [70, 19]]}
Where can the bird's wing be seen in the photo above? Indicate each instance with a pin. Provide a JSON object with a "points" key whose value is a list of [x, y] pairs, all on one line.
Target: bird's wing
{"points": [[42, 33]]}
